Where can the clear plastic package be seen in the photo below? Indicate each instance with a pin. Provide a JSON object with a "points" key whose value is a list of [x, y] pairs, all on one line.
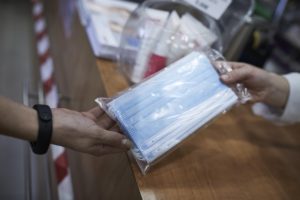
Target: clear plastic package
{"points": [[166, 108]]}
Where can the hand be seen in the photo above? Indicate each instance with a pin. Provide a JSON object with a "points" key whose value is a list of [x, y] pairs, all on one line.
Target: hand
{"points": [[90, 132], [264, 86]]}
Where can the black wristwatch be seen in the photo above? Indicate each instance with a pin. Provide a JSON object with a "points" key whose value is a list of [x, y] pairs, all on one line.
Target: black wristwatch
{"points": [[41, 145]]}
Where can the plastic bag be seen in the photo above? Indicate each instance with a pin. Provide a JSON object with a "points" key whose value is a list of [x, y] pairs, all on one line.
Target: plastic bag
{"points": [[166, 108]]}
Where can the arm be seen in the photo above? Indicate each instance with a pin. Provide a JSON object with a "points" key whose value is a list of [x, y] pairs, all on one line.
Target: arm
{"points": [[17, 120], [90, 132]]}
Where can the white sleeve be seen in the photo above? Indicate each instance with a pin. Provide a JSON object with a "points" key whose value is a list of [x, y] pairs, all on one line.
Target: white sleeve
{"points": [[291, 113]]}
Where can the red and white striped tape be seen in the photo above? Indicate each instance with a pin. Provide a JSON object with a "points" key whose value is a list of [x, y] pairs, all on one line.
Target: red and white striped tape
{"points": [[59, 155]]}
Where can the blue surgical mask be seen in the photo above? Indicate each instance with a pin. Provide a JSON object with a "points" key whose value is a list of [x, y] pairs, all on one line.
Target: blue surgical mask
{"points": [[165, 109]]}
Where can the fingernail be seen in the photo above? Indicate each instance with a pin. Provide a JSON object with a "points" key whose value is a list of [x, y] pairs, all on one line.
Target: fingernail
{"points": [[225, 77], [127, 143]]}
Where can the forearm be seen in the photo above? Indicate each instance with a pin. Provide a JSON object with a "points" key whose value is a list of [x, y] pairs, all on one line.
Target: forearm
{"points": [[278, 91], [17, 120]]}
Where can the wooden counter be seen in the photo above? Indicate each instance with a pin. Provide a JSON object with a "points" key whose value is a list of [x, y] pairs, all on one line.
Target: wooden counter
{"points": [[239, 156]]}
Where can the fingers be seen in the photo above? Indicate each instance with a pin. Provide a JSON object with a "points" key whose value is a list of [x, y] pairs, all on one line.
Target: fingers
{"points": [[236, 65], [105, 121], [115, 128], [100, 117], [100, 150], [110, 142], [115, 139], [96, 112]]}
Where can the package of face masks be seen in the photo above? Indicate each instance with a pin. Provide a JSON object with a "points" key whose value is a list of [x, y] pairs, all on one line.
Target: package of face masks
{"points": [[160, 112]]}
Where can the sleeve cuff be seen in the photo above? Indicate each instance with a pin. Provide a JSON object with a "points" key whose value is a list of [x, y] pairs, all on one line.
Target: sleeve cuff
{"points": [[292, 110]]}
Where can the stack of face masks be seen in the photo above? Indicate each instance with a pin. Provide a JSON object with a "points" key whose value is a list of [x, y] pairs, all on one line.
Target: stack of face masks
{"points": [[162, 111]]}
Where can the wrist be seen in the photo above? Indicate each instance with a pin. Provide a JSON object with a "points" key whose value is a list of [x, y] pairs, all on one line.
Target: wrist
{"points": [[57, 126], [279, 91], [33, 126], [61, 129]]}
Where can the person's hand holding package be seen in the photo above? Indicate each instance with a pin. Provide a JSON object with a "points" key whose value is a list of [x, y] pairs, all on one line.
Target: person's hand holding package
{"points": [[91, 132], [266, 87], [278, 95]]}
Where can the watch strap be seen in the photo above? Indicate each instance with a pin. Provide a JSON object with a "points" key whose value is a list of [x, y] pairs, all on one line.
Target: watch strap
{"points": [[41, 145]]}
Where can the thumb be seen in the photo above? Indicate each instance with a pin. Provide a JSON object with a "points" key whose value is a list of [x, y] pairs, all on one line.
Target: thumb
{"points": [[236, 76]]}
